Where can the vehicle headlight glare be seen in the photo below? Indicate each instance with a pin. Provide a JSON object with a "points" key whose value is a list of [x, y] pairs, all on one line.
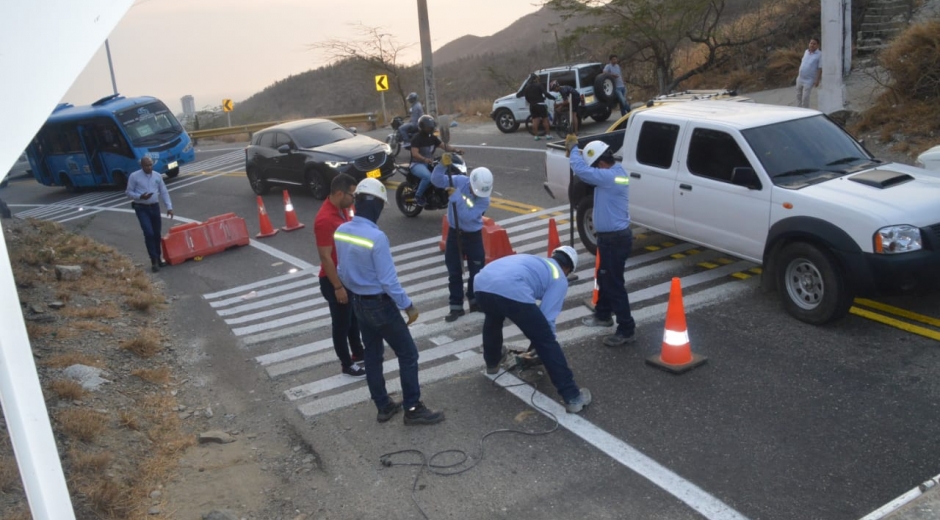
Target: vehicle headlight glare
{"points": [[388, 149], [336, 164], [898, 239]]}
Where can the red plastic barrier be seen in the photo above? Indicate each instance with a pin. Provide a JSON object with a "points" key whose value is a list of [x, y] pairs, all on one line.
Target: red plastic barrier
{"points": [[193, 239], [495, 241]]}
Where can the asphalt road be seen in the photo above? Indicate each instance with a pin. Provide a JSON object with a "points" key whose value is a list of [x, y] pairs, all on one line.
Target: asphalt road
{"points": [[785, 421]]}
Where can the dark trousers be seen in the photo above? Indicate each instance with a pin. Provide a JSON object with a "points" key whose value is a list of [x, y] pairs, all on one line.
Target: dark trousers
{"points": [[149, 217], [345, 325], [472, 245], [530, 320], [614, 249], [379, 319]]}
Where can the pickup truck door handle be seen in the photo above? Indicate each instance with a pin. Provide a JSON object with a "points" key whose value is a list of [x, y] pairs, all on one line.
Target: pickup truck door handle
{"points": [[686, 187], [635, 175]]}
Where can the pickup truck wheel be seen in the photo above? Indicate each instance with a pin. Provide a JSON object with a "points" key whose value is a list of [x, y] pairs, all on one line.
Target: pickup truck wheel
{"points": [[605, 88], [505, 121], [810, 284], [585, 218]]}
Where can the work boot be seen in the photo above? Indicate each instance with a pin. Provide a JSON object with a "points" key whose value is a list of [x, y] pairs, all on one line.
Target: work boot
{"points": [[619, 339], [421, 415], [594, 321], [154, 265], [389, 411], [578, 403], [454, 314]]}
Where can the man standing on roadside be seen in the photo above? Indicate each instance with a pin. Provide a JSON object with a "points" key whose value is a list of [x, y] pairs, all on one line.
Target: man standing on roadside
{"points": [[535, 95], [334, 212], [368, 273], [810, 73], [144, 187], [614, 239], [620, 89]]}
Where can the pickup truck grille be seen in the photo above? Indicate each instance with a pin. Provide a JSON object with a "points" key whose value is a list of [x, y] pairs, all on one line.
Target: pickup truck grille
{"points": [[934, 232], [370, 162]]}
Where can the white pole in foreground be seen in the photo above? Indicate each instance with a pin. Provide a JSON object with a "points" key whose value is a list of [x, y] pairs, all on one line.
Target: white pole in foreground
{"points": [[25, 410]]}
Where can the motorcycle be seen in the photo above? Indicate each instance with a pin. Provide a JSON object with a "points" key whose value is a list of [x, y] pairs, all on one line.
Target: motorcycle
{"points": [[436, 198], [394, 139]]}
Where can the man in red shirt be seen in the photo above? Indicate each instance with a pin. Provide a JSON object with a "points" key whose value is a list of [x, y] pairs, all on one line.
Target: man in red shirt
{"points": [[337, 209]]}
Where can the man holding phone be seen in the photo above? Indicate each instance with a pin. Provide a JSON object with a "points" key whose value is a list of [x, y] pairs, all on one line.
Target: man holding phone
{"points": [[144, 187]]}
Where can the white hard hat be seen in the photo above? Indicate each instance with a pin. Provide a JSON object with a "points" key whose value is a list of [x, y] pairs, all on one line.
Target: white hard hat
{"points": [[481, 182], [570, 253], [594, 150], [372, 187]]}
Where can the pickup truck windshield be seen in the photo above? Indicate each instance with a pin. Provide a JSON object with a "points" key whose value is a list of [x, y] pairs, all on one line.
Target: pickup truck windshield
{"points": [[806, 151]]}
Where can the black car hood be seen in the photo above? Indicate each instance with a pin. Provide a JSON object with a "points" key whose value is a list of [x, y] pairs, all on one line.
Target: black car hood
{"points": [[349, 149]]}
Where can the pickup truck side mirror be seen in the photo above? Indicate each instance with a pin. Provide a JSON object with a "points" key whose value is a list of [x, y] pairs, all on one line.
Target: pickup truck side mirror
{"points": [[745, 176], [284, 148], [354, 130]]}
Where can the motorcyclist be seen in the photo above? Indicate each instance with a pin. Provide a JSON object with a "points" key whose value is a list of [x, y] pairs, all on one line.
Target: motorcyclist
{"points": [[423, 146], [416, 112], [569, 95]]}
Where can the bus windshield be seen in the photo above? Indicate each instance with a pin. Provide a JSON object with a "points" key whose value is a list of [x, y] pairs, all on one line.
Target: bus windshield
{"points": [[149, 124]]}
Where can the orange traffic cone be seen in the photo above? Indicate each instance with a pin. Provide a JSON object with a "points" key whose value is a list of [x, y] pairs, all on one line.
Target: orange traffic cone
{"points": [[442, 245], [266, 229], [289, 215], [676, 355], [553, 241], [592, 303]]}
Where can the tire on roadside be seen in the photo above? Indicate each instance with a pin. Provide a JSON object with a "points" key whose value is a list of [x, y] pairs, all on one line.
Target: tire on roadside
{"points": [[811, 284], [585, 221], [605, 89]]}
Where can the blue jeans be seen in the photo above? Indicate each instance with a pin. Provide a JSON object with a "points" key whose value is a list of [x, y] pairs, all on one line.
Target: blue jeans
{"points": [[345, 325], [622, 99], [536, 328], [472, 244], [405, 129], [614, 249], [380, 319], [423, 173], [149, 217]]}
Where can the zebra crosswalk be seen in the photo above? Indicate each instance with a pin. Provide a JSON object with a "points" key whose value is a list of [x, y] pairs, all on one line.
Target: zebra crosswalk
{"points": [[88, 204], [285, 321]]}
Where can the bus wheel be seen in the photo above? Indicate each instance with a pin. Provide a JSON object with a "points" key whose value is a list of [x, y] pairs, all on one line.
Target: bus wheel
{"points": [[120, 180], [173, 173], [66, 181]]}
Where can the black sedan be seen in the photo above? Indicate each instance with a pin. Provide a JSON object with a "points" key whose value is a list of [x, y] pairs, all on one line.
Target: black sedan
{"points": [[310, 153]]}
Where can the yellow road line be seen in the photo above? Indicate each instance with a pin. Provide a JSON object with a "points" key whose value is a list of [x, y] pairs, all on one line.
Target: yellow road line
{"points": [[907, 327], [913, 316], [741, 276], [708, 265]]}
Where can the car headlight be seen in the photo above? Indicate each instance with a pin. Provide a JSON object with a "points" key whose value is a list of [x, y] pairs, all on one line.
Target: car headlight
{"points": [[188, 147], [336, 164], [898, 239], [388, 149]]}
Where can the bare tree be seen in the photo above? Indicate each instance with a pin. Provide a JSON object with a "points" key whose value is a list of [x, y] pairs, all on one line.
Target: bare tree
{"points": [[374, 48]]}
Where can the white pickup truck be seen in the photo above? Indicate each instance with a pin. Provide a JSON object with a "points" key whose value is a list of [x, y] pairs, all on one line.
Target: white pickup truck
{"points": [[780, 186]]}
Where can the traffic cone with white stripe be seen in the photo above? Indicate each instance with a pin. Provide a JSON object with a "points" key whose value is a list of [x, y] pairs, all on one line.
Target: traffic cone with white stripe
{"points": [[267, 230], [676, 355], [592, 302], [290, 216], [553, 241]]}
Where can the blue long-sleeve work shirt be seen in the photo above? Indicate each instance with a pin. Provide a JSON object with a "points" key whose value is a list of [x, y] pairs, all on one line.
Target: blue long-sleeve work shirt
{"points": [[365, 261], [140, 183], [470, 208], [611, 193], [526, 279]]}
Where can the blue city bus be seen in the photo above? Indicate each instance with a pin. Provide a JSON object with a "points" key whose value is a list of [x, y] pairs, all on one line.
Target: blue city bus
{"points": [[102, 143]]}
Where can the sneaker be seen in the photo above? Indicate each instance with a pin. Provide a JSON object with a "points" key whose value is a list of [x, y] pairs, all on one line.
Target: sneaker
{"points": [[389, 411], [492, 371], [537, 138], [454, 314], [593, 321], [420, 201], [420, 414], [355, 370], [578, 403], [619, 339]]}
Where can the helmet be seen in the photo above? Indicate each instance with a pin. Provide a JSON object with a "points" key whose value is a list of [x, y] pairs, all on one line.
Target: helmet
{"points": [[594, 150], [426, 124], [372, 187], [412, 97], [553, 85], [481, 182], [570, 253]]}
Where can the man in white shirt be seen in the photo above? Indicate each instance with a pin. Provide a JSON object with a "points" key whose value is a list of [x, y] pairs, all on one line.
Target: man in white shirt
{"points": [[144, 187], [810, 73]]}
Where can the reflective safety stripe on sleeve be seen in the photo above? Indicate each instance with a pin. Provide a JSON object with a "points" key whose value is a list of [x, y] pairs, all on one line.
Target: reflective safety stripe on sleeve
{"points": [[554, 268], [467, 200], [622, 180], [353, 239]]}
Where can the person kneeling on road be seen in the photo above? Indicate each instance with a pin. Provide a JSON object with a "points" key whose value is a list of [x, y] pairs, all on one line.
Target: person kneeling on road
{"points": [[509, 288], [470, 200], [367, 271], [423, 146], [598, 167]]}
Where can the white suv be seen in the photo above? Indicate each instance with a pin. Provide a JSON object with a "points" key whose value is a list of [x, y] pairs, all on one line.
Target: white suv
{"points": [[509, 111]]}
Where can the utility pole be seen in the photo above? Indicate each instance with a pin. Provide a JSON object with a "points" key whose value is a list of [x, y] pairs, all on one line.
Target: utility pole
{"points": [[107, 48], [424, 28], [836, 48]]}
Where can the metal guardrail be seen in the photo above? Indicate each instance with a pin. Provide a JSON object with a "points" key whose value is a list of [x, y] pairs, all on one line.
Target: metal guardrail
{"points": [[368, 118]]}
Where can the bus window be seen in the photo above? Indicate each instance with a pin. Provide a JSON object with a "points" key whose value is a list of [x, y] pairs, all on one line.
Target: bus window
{"points": [[64, 139], [110, 138]]}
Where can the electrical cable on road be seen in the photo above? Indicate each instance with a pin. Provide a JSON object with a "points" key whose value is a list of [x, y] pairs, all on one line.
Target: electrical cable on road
{"points": [[450, 469]]}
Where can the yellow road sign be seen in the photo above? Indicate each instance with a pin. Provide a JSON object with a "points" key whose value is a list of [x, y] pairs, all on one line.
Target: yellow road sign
{"points": [[227, 105], [381, 82]]}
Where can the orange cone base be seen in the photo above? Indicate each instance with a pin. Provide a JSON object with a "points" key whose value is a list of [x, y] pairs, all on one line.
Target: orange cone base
{"points": [[292, 228], [658, 362], [263, 235]]}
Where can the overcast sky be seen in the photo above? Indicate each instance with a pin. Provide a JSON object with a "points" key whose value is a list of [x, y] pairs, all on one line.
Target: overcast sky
{"points": [[215, 49]]}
